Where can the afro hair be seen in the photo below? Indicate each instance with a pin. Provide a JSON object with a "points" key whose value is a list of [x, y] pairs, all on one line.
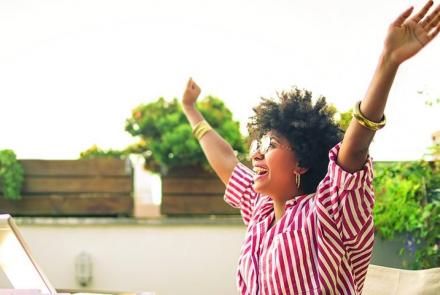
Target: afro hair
{"points": [[309, 127]]}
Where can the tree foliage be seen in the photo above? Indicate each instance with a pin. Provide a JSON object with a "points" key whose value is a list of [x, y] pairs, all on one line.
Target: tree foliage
{"points": [[165, 136]]}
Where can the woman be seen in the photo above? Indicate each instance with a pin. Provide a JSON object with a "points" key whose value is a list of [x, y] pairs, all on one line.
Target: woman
{"points": [[308, 203]]}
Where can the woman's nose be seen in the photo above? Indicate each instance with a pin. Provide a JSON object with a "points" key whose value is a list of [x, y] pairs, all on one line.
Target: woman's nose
{"points": [[257, 155]]}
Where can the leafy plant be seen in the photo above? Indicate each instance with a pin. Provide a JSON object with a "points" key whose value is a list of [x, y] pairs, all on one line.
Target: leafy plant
{"points": [[345, 119], [11, 175], [342, 118], [165, 135], [96, 152], [408, 201]]}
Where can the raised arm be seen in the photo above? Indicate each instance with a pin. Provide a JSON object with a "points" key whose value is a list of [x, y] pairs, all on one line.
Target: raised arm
{"points": [[406, 37], [219, 153]]}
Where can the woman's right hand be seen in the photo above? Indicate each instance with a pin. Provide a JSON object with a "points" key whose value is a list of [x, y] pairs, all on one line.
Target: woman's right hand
{"points": [[191, 93]]}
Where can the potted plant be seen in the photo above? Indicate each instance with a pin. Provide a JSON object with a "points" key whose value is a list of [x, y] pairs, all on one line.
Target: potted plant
{"points": [[189, 186]]}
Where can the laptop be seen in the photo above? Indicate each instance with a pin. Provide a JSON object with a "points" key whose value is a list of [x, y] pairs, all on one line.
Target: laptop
{"points": [[20, 268], [16, 260]]}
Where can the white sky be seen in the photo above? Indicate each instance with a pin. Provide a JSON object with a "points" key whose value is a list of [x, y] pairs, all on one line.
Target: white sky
{"points": [[72, 71]]}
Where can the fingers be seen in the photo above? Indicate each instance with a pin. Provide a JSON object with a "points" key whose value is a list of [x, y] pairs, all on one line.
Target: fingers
{"points": [[434, 33], [435, 21], [191, 84], [190, 81], [402, 17], [194, 85], [432, 20], [418, 17]]}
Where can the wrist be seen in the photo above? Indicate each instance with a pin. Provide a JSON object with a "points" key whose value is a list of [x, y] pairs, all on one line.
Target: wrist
{"points": [[188, 106], [388, 60]]}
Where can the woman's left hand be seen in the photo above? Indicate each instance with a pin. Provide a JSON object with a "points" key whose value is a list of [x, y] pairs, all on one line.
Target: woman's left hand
{"points": [[407, 36]]}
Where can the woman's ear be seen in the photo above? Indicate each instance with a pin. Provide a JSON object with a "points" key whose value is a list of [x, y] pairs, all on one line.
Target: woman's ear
{"points": [[301, 170]]}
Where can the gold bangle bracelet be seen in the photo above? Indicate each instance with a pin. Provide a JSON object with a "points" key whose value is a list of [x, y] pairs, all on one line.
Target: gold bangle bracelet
{"points": [[360, 118], [200, 129]]}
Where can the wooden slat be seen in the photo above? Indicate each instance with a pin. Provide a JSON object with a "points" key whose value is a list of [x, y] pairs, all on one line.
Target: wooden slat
{"points": [[77, 184], [196, 205], [189, 171], [195, 172], [190, 186], [82, 167], [189, 195], [74, 205]]}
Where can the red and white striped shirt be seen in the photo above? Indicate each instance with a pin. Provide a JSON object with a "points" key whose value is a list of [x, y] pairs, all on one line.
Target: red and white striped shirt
{"points": [[321, 245]]}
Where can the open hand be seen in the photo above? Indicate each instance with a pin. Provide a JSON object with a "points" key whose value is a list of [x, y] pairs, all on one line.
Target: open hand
{"points": [[191, 93], [407, 36]]}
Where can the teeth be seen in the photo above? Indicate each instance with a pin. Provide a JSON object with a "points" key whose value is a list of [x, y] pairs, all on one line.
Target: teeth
{"points": [[259, 170]]}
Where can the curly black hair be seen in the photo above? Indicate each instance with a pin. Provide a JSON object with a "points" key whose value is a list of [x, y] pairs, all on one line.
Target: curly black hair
{"points": [[309, 128]]}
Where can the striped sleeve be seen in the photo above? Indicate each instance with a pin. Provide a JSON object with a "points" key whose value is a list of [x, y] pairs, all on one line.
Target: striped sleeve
{"points": [[239, 192], [350, 197]]}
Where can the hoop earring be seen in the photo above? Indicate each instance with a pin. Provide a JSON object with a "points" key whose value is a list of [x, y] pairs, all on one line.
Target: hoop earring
{"points": [[298, 179]]}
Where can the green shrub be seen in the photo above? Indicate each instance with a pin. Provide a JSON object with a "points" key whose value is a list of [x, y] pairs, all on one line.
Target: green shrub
{"points": [[11, 175], [408, 201]]}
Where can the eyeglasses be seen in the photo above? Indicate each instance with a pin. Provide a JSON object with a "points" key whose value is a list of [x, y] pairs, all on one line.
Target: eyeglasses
{"points": [[262, 145]]}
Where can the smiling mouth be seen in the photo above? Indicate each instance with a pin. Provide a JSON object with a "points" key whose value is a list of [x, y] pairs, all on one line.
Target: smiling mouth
{"points": [[260, 172]]}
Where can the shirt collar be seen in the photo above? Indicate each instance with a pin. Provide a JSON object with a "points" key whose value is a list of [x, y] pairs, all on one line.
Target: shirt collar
{"points": [[297, 199]]}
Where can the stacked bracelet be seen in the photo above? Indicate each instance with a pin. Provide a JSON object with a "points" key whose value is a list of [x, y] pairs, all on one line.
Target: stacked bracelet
{"points": [[364, 121], [200, 129]]}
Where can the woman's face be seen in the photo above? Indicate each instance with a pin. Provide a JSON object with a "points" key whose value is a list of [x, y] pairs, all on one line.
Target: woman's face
{"points": [[275, 170]]}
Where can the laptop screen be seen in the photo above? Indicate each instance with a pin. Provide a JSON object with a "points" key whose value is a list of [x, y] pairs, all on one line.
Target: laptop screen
{"points": [[16, 260]]}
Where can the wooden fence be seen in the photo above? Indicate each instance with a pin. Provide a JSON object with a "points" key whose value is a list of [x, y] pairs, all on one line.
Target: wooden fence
{"points": [[86, 187], [192, 191]]}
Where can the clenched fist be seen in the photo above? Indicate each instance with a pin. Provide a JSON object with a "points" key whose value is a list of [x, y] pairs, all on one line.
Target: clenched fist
{"points": [[191, 93]]}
